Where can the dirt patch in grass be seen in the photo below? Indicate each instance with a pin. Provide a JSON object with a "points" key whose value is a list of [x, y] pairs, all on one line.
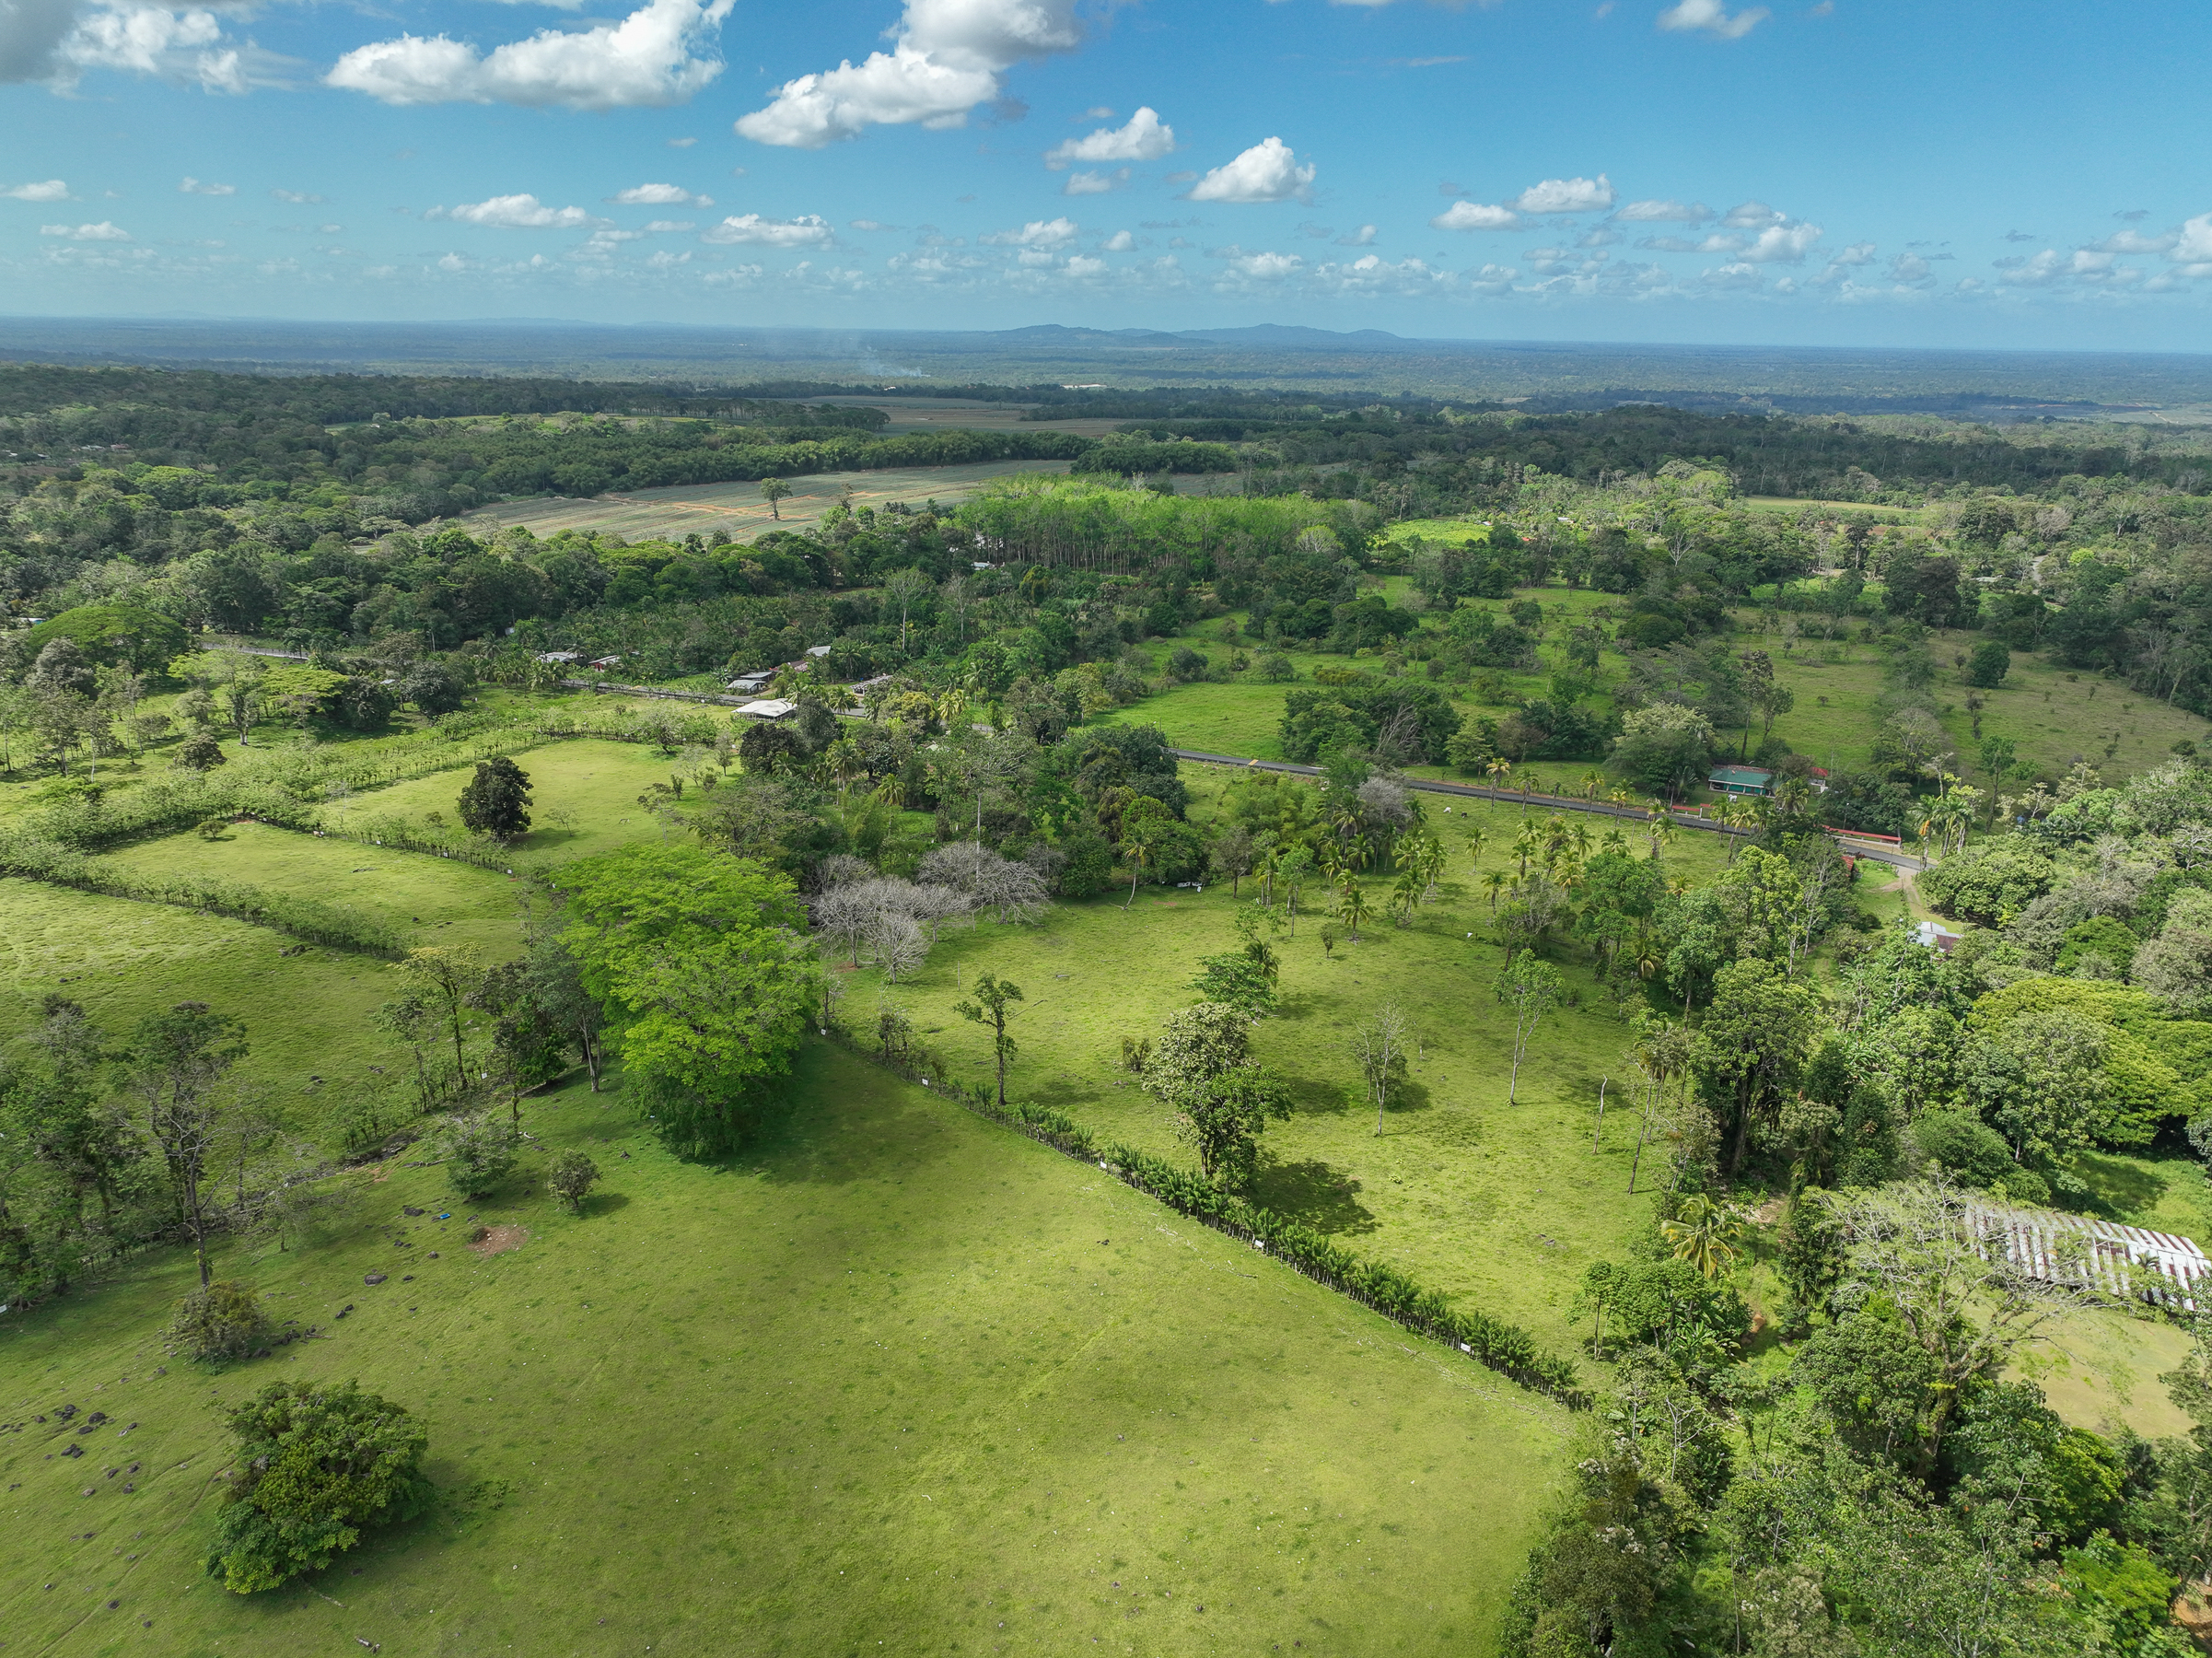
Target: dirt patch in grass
{"points": [[497, 1239]]}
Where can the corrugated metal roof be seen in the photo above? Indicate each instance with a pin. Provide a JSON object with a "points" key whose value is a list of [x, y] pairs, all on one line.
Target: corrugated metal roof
{"points": [[2097, 1254]]}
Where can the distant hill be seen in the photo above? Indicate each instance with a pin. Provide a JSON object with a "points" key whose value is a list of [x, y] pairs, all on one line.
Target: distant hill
{"points": [[1531, 374]]}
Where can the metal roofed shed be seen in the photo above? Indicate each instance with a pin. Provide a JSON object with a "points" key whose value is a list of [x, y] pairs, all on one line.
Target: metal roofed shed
{"points": [[749, 681], [2091, 1253], [1741, 780], [773, 708]]}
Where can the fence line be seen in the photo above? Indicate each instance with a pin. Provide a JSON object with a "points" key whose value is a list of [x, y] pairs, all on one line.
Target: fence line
{"points": [[1382, 1289]]}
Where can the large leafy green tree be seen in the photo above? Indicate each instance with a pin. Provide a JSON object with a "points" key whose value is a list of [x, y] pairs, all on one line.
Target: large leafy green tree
{"points": [[700, 961], [1751, 1044], [496, 800], [1203, 1069]]}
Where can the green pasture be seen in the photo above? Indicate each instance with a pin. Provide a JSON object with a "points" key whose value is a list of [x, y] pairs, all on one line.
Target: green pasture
{"points": [[307, 1014], [583, 793], [895, 1380], [1501, 1207], [700, 508]]}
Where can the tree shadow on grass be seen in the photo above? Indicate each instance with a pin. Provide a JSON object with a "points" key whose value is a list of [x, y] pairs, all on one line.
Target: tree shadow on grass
{"points": [[1313, 1193], [1311, 1096], [2120, 1189], [1300, 1006], [1062, 1092], [603, 1202], [1409, 1095]]}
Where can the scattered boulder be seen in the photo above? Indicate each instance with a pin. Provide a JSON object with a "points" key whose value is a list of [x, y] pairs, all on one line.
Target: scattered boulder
{"points": [[372, 1277]]}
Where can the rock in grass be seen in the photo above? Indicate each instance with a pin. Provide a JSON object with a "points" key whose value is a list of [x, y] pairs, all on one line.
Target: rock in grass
{"points": [[372, 1277]]}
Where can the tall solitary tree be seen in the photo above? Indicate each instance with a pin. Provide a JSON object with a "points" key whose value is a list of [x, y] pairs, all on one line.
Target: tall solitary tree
{"points": [[992, 997], [1203, 1069], [175, 1065], [1530, 986], [496, 800], [1380, 1046], [773, 490]]}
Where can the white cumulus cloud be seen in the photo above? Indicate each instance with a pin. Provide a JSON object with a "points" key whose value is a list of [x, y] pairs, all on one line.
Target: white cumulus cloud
{"points": [[807, 230], [181, 46], [1267, 267], [52, 190], [1567, 195], [1120, 241], [1037, 233], [1665, 212], [103, 231], [523, 212], [1143, 137], [659, 54], [2195, 244], [946, 56], [1475, 216], [1267, 172], [1714, 18], [192, 186], [1782, 244], [659, 195], [1081, 183], [1752, 215]]}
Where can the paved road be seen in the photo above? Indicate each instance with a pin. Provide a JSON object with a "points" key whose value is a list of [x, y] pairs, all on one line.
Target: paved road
{"points": [[1874, 852]]}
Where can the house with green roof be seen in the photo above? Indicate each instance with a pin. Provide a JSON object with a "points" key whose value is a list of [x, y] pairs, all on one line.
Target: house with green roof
{"points": [[1741, 780]]}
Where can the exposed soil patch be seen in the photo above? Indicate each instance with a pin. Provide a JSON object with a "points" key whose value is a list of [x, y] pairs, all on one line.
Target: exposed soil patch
{"points": [[497, 1239]]}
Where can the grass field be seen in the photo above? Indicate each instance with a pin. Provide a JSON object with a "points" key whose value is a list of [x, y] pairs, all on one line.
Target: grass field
{"points": [[699, 508], [896, 1376], [899, 1381]]}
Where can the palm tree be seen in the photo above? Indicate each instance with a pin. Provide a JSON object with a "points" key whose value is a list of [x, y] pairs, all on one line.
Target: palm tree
{"points": [[1593, 782], [1352, 907], [1405, 894], [1475, 838], [1497, 881], [1705, 1234], [1499, 770], [1525, 847]]}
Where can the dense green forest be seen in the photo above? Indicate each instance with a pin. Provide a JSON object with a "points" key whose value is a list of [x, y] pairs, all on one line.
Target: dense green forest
{"points": [[271, 517]]}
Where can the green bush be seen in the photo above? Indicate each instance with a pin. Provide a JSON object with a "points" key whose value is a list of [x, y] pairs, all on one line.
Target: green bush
{"points": [[222, 1320], [1989, 664], [313, 1464], [479, 1152], [1988, 883], [121, 634], [573, 1176], [1965, 1147]]}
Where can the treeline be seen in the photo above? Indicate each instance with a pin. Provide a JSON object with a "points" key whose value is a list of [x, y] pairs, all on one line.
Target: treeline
{"points": [[136, 394]]}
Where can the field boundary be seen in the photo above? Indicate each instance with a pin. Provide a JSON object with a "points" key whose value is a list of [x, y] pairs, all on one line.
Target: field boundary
{"points": [[1505, 1348]]}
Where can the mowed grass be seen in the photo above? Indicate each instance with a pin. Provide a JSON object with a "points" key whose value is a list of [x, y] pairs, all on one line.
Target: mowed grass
{"points": [[2053, 715], [583, 798], [896, 1381], [1500, 1206]]}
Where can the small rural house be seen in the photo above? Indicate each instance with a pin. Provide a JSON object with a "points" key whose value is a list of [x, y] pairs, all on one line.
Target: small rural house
{"points": [[1741, 780]]}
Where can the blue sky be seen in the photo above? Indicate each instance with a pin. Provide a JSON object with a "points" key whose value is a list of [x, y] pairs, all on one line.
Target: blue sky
{"points": [[1983, 172]]}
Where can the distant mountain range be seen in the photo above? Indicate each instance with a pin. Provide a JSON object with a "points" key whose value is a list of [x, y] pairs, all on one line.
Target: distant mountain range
{"points": [[1533, 374]]}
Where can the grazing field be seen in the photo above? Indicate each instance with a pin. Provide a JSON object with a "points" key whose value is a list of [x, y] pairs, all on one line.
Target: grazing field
{"points": [[737, 509], [307, 1014], [897, 1380]]}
